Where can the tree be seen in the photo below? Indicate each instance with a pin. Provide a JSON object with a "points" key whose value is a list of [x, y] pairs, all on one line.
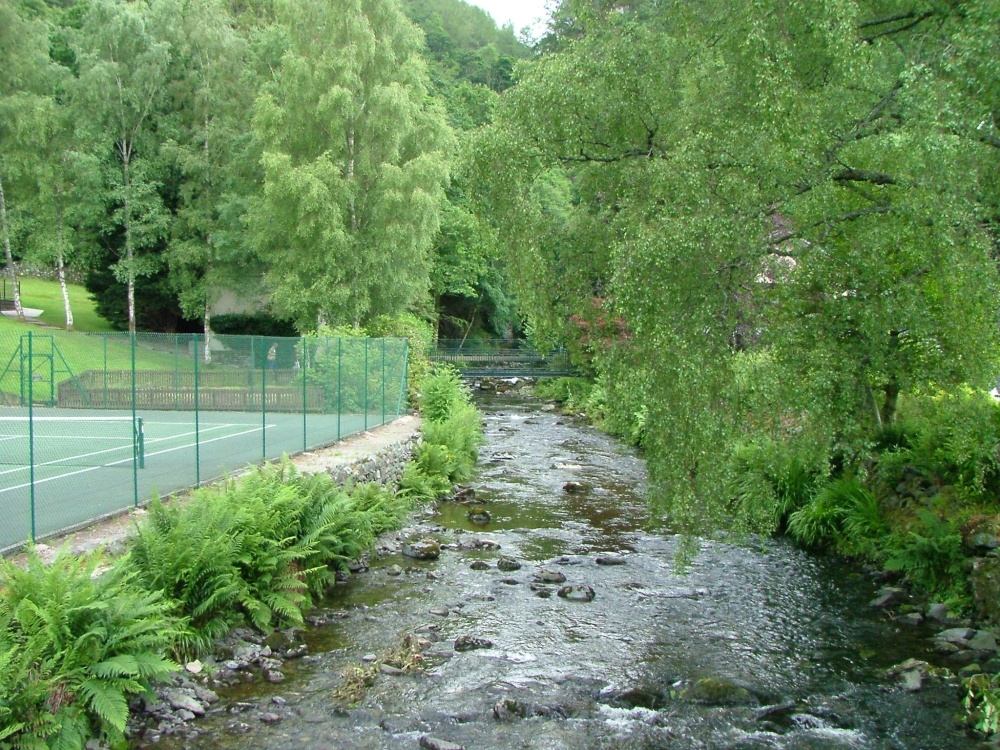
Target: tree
{"points": [[26, 85], [204, 135], [354, 165], [121, 81], [806, 179]]}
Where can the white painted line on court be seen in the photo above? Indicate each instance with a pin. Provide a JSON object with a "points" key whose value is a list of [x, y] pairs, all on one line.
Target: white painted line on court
{"points": [[116, 463]]}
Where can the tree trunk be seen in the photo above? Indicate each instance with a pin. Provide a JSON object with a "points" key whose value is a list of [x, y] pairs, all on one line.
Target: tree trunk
{"points": [[127, 221], [350, 176], [208, 336], [60, 260], [5, 231], [889, 405]]}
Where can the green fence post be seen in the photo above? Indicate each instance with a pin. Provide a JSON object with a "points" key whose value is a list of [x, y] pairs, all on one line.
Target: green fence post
{"points": [[300, 359], [197, 421], [177, 374], [31, 436], [135, 467], [383, 381], [402, 384], [21, 355], [340, 394], [104, 339], [263, 410], [52, 371], [366, 384]]}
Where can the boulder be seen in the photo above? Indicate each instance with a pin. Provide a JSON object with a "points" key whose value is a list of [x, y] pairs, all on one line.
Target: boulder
{"points": [[577, 593], [480, 565], [471, 642], [508, 564], [888, 596], [986, 588], [433, 743], [423, 549], [479, 515], [610, 560], [182, 700], [549, 576]]}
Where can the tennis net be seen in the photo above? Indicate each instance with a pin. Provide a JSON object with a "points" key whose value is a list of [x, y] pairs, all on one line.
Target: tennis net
{"points": [[72, 441]]}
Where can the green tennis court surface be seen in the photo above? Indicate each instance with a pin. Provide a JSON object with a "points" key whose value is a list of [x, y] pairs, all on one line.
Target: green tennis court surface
{"points": [[86, 463]]}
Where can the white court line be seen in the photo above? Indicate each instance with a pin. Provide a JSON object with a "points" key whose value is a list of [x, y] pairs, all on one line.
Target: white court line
{"points": [[128, 460]]}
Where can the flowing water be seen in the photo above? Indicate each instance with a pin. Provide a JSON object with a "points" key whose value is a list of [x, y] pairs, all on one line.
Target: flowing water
{"points": [[797, 655]]}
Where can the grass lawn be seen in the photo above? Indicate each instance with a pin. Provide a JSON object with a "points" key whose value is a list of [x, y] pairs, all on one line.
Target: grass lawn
{"points": [[44, 294]]}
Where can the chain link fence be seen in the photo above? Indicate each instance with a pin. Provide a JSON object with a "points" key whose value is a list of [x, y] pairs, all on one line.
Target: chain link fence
{"points": [[91, 425]]}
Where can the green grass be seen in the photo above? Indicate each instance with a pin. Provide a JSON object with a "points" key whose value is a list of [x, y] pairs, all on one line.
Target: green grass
{"points": [[44, 294]]}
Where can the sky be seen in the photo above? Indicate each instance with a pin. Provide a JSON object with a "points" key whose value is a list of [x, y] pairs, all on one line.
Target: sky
{"points": [[519, 12]]}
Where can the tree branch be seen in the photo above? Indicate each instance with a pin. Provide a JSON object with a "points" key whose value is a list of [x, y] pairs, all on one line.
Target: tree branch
{"points": [[864, 175]]}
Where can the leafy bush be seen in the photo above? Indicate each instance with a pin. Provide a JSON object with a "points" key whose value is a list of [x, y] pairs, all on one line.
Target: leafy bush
{"points": [[441, 392], [844, 514], [982, 702], [74, 647], [953, 437], [931, 556], [771, 480]]}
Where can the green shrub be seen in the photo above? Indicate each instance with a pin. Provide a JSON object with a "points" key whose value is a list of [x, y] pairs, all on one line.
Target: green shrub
{"points": [[952, 437], [930, 556], [74, 647], [420, 486], [982, 702], [441, 392], [844, 515], [771, 480]]}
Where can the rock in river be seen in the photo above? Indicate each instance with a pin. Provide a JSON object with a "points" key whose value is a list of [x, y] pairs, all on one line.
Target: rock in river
{"points": [[578, 593], [508, 564], [549, 576], [471, 642], [423, 549]]}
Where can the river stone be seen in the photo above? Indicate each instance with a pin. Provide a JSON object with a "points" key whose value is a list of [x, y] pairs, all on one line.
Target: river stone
{"points": [[269, 718], [205, 695], [549, 576], [183, 701], [610, 560], [480, 565], [938, 612], [274, 675], [508, 564], [574, 487], [510, 581], [464, 493], [471, 642], [985, 580], [984, 641], [577, 593], [194, 667], [433, 743], [913, 619], [394, 570], [390, 670], [969, 670], [440, 611], [423, 549], [888, 596], [912, 680], [715, 692], [479, 515], [958, 636]]}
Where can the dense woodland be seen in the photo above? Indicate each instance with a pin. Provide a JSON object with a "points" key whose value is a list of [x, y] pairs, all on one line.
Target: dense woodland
{"points": [[168, 151]]}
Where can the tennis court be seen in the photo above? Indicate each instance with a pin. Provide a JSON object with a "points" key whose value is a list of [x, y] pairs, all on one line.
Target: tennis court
{"points": [[88, 465], [90, 426]]}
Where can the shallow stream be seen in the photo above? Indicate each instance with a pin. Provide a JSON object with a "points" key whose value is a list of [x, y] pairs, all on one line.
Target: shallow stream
{"points": [[797, 655]]}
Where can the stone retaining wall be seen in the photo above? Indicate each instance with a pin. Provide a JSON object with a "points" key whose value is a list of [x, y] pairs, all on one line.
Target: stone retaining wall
{"points": [[384, 467]]}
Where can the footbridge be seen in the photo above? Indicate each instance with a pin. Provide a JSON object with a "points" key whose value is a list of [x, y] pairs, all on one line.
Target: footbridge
{"points": [[502, 359]]}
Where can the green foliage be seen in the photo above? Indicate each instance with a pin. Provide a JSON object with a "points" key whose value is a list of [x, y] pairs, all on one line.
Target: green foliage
{"points": [[843, 515], [440, 393], [758, 177], [931, 556], [953, 437], [75, 646], [771, 480], [982, 702]]}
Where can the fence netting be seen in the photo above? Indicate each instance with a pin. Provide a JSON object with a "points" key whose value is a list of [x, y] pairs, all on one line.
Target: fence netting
{"points": [[92, 424]]}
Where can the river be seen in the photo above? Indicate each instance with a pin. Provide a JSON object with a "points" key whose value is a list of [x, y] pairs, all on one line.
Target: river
{"points": [[753, 646]]}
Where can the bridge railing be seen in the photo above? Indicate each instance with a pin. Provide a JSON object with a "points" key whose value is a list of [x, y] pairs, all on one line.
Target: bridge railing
{"points": [[501, 357]]}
